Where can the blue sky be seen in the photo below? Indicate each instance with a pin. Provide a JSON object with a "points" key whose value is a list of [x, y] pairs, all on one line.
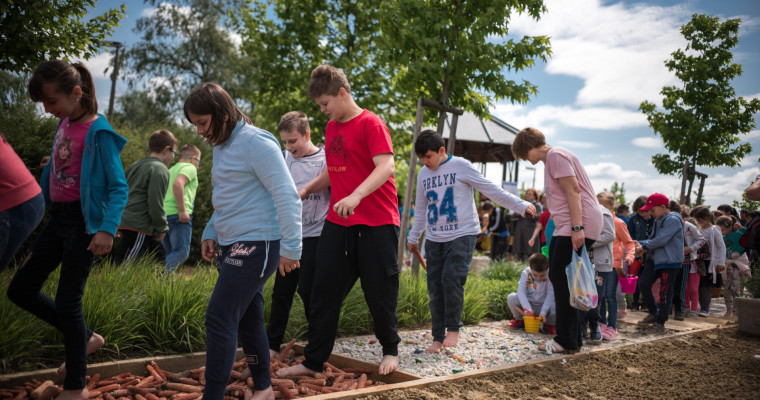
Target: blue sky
{"points": [[607, 58]]}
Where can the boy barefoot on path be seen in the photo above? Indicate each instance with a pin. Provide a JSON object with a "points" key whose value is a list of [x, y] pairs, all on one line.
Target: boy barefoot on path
{"points": [[360, 237], [445, 190], [305, 161]]}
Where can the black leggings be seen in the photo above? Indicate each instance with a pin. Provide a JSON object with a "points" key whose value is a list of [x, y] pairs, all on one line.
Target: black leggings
{"points": [[568, 318]]}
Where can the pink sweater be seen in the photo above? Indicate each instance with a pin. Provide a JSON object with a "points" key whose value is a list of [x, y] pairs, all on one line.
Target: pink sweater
{"points": [[17, 184]]}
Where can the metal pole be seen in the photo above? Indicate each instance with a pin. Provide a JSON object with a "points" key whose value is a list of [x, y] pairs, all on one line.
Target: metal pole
{"points": [[114, 76], [410, 181]]}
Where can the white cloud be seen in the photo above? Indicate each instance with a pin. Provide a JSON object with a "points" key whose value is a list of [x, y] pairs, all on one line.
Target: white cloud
{"points": [[750, 135], [577, 144], [647, 142], [601, 118], [752, 96], [618, 50]]}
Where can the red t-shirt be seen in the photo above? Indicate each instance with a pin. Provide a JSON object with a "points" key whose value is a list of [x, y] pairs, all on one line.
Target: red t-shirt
{"points": [[349, 151], [543, 219]]}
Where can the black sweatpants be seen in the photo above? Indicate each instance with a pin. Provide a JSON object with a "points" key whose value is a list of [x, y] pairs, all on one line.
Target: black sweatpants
{"points": [[568, 318], [345, 254], [285, 288], [134, 245]]}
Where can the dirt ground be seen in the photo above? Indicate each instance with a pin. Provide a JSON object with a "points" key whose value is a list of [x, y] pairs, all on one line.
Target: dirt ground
{"points": [[714, 364]]}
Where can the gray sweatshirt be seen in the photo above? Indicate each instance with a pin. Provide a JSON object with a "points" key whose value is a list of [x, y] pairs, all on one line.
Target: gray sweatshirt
{"points": [[602, 247]]}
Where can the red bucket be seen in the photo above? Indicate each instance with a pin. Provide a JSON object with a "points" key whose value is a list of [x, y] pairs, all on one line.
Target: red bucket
{"points": [[628, 283]]}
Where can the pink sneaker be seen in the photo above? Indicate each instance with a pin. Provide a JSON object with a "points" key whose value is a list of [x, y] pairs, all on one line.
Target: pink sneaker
{"points": [[622, 312], [610, 333], [602, 327]]}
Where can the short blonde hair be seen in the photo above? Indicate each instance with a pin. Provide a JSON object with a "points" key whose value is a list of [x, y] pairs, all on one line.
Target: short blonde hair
{"points": [[294, 120], [607, 199], [525, 141]]}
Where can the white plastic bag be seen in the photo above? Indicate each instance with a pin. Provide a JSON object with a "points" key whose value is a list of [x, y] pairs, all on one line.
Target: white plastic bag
{"points": [[580, 281]]}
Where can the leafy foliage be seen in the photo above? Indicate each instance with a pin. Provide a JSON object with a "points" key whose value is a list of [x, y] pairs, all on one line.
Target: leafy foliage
{"points": [[618, 189], [701, 120], [139, 311], [33, 31], [185, 45], [746, 204], [457, 52]]}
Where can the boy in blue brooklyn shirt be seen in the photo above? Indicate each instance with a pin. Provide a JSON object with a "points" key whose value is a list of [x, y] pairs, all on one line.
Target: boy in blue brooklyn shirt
{"points": [[445, 194]]}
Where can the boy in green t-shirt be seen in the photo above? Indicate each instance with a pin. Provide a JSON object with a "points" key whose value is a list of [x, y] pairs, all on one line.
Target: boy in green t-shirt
{"points": [[178, 204]]}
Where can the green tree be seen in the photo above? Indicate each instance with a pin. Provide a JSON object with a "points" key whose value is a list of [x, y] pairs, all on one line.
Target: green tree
{"points": [[700, 120], [33, 31], [286, 39], [746, 204], [184, 43], [457, 52], [619, 191]]}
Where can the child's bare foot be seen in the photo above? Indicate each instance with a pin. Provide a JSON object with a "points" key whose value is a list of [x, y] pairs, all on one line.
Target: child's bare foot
{"points": [[93, 344], [388, 364], [273, 355], [266, 394], [298, 369], [728, 314], [451, 339], [435, 347], [80, 394]]}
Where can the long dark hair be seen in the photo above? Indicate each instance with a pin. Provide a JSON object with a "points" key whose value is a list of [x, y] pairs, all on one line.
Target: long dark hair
{"points": [[65, 76], [211, 99]]}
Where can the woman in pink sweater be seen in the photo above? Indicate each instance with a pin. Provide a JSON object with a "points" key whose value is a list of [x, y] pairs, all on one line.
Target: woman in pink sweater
{"points": [[21, 203]]}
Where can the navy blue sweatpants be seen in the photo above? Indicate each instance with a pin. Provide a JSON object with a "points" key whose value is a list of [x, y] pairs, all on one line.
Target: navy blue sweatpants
{"points": [[236, 310]]}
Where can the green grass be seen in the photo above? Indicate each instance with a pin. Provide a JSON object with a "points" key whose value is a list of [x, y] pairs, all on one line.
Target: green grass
{"points": [[139, 311]]}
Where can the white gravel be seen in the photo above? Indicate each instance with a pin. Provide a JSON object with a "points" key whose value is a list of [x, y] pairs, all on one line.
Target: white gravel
{"points": [[481, 346]]}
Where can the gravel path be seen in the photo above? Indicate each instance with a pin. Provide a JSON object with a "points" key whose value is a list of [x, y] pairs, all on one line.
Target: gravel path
{"points": [[480, 346]]}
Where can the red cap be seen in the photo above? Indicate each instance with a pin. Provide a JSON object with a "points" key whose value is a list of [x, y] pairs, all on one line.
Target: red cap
{"points": [[655, 200]]}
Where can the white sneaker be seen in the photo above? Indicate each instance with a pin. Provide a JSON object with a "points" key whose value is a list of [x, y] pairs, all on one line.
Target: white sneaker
{"points": [[703, 314]]}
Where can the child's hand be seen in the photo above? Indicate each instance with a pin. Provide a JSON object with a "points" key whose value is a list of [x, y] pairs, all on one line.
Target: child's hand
{"points": [[101, 243], [184, 217], [734, 255], [720, 268], [159, 236], [686, 250], [620, 272], [530, 212], [208, 250], [543, 317], [531, 241], [287, 265], [345, 207], [413, 247]]}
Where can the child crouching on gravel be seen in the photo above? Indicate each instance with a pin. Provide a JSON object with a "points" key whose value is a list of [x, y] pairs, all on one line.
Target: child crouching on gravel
{"points": [[534, 292]]}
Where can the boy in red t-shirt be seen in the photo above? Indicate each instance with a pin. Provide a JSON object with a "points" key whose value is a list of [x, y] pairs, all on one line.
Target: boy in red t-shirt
{"points": [[360, 237]]}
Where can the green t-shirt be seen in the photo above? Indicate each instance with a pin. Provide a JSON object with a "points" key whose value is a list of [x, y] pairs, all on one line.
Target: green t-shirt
{"points": [[191, 173]]}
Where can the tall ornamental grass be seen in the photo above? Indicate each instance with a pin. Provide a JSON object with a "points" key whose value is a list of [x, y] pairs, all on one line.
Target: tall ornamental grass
{"points": [[141, 312]]}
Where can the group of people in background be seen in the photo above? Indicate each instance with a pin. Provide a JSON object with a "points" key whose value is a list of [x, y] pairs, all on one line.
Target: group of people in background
{"points": [[323, 217]]}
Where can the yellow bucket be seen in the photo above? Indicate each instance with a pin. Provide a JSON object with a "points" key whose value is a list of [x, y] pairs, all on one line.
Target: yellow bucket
{"points": [[531, 323]]}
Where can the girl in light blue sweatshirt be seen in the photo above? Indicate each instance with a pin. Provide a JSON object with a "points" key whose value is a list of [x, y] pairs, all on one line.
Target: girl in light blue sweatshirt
{"points": [[257, 225]]}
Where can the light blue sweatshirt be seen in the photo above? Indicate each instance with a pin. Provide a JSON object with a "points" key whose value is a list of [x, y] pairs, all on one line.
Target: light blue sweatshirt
{"points": [[254, 197], [667, 243]]}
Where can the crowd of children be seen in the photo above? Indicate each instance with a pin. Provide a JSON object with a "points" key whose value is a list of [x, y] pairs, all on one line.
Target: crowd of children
{"points": [[327, 216]]}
